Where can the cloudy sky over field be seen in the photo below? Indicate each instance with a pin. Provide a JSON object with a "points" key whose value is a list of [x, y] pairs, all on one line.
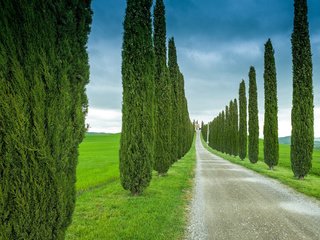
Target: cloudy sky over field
{"points": [[217, 42]]}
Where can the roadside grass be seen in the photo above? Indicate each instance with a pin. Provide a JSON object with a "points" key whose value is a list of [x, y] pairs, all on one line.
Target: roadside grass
{"points": [[309, 186], [284, 157], [105, 211]]}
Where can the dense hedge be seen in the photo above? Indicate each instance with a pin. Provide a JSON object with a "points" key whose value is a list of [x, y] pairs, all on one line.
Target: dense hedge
{"points": [[43, 73]]}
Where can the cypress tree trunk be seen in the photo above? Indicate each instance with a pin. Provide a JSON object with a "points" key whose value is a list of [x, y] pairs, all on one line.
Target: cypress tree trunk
{"points": [[163, 93], [270, 130], [302, 116], [138, 69], [253, 118], [43, 73], [243, 121]]}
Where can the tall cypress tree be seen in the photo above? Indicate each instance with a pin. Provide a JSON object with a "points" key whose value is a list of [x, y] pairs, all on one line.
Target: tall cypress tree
{"points": [[204, 132], [174, 74], [270, 130], [302, 116], [253, 117], [243, 121], [227, 130], [235, 128], [187, 130], [231, 128], [222, 132], [43, 73], [180, 113], [163, 103], [138, 69]]}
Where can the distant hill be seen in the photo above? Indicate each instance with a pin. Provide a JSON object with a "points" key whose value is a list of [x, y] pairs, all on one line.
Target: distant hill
{"points": [[98, 133], [287, 140]]}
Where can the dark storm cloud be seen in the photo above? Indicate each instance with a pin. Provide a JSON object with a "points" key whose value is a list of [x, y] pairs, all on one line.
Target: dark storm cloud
{"points": [[217, 42]]}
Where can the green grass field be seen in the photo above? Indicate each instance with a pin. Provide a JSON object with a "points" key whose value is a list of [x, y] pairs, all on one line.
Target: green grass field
{"points": [[105, 211], [310, 186]]}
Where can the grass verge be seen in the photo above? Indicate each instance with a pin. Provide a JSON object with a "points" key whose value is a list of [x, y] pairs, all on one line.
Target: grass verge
{"points": [[106, 211], [310, 186]]}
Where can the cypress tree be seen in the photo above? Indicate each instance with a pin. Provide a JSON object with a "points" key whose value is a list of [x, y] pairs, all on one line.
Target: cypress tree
{"points": [[174, 73], [231, 128], [43, 73], [163, 111], [222, 132], [302, 116], [138, 69], [204, 132], [180, 103], [270, 130], [253, 117], [187, 129], [227, 130], [243, 121], [235, 128]]}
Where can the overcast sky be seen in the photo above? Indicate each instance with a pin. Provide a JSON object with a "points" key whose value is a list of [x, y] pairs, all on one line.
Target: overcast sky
{"points": [[217, 41]]}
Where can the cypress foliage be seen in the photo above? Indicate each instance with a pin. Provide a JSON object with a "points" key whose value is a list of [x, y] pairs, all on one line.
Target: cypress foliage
{"points": [[182, 131], [210, 134], [242, 121], [213, 134], [138, 69], [163, 113], [181, 124], [188, 128], [270, 130], [204, 130], [43, 73], [231, 128], [174, 73], [302, 116], [222, 132], [227, 130], [235, 128], [253, 117]]}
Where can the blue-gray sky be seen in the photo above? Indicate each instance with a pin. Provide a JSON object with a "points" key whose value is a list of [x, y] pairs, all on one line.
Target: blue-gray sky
{"points": [[217, 41]]}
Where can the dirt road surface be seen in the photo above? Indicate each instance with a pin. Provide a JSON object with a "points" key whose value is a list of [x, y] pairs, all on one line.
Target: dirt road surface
{"points": [[232, 202]]}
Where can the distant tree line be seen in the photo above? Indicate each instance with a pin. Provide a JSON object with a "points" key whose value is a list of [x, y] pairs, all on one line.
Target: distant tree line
{"points": [[229, 136], [43, 74], [156, 128]]}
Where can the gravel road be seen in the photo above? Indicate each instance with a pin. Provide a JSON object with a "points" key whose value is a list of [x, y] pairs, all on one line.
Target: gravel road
{"points": [[232, 202]]}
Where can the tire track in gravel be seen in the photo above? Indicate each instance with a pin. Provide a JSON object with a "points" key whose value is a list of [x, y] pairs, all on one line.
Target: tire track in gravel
{"points": [[232, 202]]}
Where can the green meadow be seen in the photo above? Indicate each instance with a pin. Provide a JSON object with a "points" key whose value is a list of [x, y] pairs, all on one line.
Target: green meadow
{"points": [[105, 211], [309, 186]]}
